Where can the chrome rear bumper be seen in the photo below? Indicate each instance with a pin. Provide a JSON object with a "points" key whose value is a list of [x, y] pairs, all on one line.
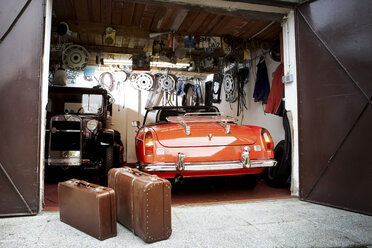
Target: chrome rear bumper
{"points": [[64, 161], [208, 166]]}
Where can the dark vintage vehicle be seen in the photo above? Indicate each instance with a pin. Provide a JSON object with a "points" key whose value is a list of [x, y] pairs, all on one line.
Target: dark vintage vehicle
{"points": [[77, 130], [200, 142]]}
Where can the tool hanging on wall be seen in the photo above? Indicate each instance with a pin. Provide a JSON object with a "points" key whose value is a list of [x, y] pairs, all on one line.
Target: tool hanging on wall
{"points": [[180, 86], [242, 80], [216, 87], [180, 89], [106, 80], [120, 78], [187, 99], [208, 93], [165, 85], [193, 93], [198, 96]]}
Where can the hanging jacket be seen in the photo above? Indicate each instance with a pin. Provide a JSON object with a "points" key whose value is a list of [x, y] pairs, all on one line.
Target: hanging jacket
{"points": [[276, 93], [262, 86]]}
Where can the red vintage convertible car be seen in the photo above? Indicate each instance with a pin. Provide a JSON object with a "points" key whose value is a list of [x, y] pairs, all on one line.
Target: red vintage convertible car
{"points": [[200, 142]]}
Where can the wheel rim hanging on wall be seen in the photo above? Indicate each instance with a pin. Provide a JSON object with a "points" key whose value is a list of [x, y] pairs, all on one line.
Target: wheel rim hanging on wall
{"points": [[228, 83], [75, 57], [167, 83], [230, 86], [143, 81]]}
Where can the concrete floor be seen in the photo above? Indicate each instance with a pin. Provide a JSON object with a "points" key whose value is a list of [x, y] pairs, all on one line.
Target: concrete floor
{"points": [[273, 223]]}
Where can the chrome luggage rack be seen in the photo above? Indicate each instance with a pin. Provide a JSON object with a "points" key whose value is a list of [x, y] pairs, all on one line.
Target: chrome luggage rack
{"points": [[202, 117]]}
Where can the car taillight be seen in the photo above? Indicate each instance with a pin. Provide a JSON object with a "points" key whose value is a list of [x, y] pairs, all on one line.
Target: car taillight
{"points": [[267, 140], [149, 144]]}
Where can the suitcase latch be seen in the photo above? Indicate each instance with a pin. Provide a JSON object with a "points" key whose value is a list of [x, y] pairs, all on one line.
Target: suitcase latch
{"points": [[180, 164]]}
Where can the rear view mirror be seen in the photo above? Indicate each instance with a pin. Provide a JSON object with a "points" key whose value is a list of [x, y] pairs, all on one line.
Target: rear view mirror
{"points": [[136, 124]]}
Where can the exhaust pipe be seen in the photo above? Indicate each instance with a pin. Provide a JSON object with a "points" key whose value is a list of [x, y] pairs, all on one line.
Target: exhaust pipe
{"points": [[178, 179]]}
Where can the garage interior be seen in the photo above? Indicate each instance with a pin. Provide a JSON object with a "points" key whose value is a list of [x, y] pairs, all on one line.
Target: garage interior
{"points": [[330, 50], [211, 43]]}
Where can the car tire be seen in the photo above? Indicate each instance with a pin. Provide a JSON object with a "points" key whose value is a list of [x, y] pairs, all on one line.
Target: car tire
{"points": [[278, 175], [108, 164]]}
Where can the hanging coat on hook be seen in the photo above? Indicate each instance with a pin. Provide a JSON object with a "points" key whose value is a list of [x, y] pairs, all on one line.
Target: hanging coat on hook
{"points": [[276, 94], [262, 86]]}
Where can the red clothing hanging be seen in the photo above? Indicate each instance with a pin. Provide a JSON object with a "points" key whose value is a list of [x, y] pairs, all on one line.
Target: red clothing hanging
{"points": [[276, 92]]}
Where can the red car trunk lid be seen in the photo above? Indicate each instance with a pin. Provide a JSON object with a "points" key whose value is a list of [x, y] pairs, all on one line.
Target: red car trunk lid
{"points": [[204, 135]]}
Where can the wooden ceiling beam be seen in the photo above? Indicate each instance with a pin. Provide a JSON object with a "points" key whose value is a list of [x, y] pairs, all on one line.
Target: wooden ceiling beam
{"points": [[283, 3], [116, 12], [157, 20], [81, 10], [99, 28], [128, 12], [95, 10], [168, 18], [148, 15], [237, 9], [197, 22], [106, 11], [253, 28], [213, 23], [138, 13], [186, 24], [182, 13]]}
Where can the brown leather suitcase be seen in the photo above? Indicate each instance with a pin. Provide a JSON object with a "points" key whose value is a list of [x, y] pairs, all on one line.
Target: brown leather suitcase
{"points": [[143, 203], [88, 207]]}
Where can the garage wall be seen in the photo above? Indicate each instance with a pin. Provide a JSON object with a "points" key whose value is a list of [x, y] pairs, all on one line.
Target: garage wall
{"points": [[135, 102], [290, 68], [44, 90], [254, 114], [130, 106]]}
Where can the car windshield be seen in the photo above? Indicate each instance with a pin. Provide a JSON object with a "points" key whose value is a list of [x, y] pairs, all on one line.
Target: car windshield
{"points": [[75, 103]]}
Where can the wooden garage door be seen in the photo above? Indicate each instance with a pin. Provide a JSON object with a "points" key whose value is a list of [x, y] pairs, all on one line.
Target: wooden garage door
{"points": [[21, 32], [334, 49]]}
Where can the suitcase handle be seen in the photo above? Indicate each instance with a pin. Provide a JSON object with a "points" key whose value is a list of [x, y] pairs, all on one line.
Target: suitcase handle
{"points": [[86, 185], [140, 173], [134, 172]]}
